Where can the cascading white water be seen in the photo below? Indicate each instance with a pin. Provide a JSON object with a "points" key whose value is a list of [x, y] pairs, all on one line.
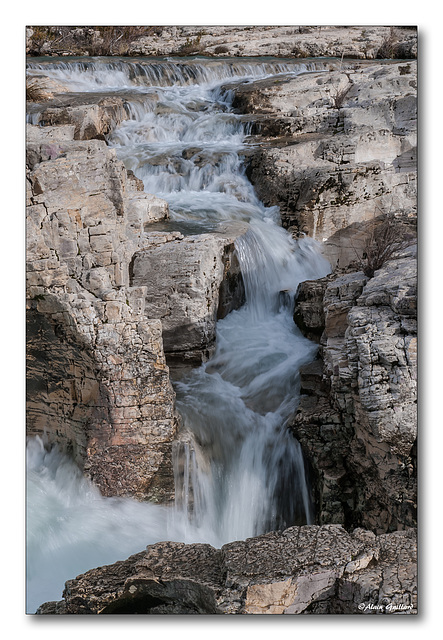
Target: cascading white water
{"points": [[238, 471]]}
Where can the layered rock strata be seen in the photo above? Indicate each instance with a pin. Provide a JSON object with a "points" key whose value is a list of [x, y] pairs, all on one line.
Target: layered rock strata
{"points": [[302, 570], [357, 419], [366, 42], [340, 149], [98, 384], [190, 283]]}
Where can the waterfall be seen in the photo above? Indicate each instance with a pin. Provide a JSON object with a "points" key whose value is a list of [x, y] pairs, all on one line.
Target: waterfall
{"points": [[98, 74], [238, 471]]}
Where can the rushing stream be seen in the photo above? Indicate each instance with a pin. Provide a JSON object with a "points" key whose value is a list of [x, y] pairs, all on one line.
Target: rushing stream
{"points": [[238, 471]]}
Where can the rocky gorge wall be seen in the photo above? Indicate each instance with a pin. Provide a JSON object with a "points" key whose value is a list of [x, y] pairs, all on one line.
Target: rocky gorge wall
{"points": [[98, 382], [358, 417], [337, 157], [108, 296], [337, 153]]}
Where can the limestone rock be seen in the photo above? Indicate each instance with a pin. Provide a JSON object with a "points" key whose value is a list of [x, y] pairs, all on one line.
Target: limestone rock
{"points": [[98, 382], [306, 569], [92, 117], [342, 151], [357, 421], [190, 282]]}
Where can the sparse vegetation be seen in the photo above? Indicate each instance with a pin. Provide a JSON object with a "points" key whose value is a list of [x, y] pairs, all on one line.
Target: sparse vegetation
{"points": [[115, 40], [36, 90], [385, 236], [99, 41], [386, 49], [191, 46], [339, 97], [221, 49], [299, 52], [392, 48]]}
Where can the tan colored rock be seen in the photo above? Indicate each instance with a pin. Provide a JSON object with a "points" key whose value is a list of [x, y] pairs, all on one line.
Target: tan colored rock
{"points": [[90, 121], [302, 570], [271, 598], [183, 278], [98, 382]]}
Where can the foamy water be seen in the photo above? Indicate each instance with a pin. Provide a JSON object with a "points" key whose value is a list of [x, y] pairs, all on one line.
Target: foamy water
{"points": [[238, 471]]}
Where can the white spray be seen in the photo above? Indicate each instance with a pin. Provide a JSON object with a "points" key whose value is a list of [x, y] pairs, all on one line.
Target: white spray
{"points": [[238, 471]]}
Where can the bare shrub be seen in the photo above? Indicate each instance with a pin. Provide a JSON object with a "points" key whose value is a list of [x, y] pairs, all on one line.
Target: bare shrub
{"points": [[339, 97], [96, 40], [388, 48], [384, 237], [116, 40], [36, 90], [192, 46]]}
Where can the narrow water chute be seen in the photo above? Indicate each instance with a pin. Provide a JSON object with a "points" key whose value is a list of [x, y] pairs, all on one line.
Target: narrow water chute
{"points": [[238, 471]]}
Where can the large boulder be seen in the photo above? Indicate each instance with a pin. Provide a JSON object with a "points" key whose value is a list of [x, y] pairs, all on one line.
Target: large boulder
{"points": [[302, 570], [190, 282]]}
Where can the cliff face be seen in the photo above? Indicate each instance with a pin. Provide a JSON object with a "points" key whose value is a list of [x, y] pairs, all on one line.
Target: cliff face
{"points": [[98, 382], [357, 418]]}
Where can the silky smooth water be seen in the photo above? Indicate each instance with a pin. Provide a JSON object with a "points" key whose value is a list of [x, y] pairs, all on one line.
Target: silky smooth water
{"points": [[238, 470]]}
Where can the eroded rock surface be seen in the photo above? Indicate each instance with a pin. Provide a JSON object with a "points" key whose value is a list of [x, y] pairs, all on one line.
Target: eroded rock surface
{"points": [[307, 570], [357, 418], [98, 384], [340, 149], [190, 282]]}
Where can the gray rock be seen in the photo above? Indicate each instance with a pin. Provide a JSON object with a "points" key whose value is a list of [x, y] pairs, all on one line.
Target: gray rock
{"points": [[190, 282], [98, 382], [340, 162], [357, 421], [307, 570]]}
